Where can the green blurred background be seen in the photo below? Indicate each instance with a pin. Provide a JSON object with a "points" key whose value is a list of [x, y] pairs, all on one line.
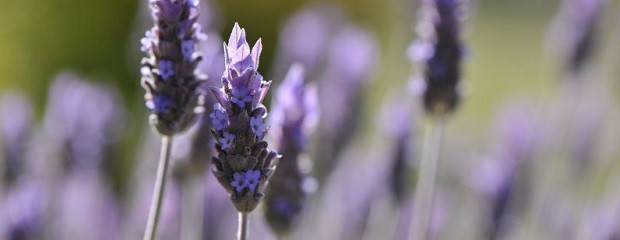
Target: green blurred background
{"points": [[507, 53]]}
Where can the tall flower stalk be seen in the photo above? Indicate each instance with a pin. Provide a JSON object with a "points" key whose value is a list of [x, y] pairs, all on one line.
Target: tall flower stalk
{"points": [[171, 82], [440, 51], [243, 163]]}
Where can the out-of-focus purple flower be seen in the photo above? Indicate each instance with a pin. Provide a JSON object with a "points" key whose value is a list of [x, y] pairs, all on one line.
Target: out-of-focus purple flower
{"points": [[306, 36], [351, 62], [22, 211], [86, 208], [397, 121], [574, 31], [170, 67], [295, 111], [497, 177], [187, 47], [84, 118], [15, 128], [240, 146], [442, 63]]}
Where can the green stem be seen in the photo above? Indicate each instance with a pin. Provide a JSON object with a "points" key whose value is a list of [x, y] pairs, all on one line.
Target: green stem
{"points": [[158, 193], [242, 233]]}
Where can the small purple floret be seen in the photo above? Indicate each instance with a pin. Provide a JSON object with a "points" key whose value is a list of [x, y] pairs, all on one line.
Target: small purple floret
{"points": [[160, 103], [227, 140], [257, 125], [165, 69], [238, 182], [240, 96], [219, 117], [187, 47], [251, 179]]}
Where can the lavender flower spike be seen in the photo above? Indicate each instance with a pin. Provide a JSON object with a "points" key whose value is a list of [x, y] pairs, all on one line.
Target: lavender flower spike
{"points": [[169, 75], [243, 163], [294, 114], [441, 51]]}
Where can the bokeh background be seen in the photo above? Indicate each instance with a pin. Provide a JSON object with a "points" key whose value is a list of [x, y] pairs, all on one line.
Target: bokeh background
{"points": [[513, 69]]}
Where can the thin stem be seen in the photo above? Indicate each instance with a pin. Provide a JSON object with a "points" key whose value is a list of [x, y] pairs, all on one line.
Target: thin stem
{"points": [[158, 192], [242, 233], [423, 197]]}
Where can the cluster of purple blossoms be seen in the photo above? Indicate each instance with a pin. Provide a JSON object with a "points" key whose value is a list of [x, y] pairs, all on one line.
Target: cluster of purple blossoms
{"points": [[243, 163], [294, 115], [441, 51], [15, 130], [169, 74]]}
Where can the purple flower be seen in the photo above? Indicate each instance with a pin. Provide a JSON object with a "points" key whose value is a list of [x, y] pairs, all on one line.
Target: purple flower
{"points": [[187, 47], [165, 69], [350, 63], [575, 31], [227, 140], [219, 117], [305, 37], [250, 179], [441, 49], [170, 67], [257, 125], [241, 95], [295, 110], [239, 182], [160, 103], [83, 118], [15, 128], [22, 209]]}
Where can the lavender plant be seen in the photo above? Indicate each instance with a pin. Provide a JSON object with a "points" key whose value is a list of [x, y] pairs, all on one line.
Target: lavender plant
{"points": [[440, 50], [351, 61], [397, 118], [243, 163], [500, 179], [294, 114], [84, 119], [15, 130], [22, 211], [171, 81], [169, 71], [574, 32]]}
